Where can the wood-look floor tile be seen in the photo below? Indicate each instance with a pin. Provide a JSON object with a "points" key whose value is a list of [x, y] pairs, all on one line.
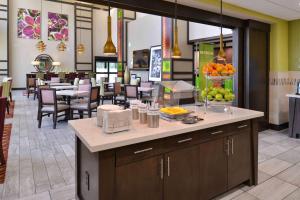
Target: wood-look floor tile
{"points": [[272, 189]]}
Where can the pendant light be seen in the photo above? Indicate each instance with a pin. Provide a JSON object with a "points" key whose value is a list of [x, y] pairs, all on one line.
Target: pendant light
{"points": [[41, 46], [80, 47], [221, 53], [62, 45], [176, 50], [109, 47]]}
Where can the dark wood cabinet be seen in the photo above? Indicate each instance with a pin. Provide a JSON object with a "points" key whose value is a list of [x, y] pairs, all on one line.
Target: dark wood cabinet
{"points": [[213, 168], [239, 163], [196, 165], [140, 180], [182, 180]]}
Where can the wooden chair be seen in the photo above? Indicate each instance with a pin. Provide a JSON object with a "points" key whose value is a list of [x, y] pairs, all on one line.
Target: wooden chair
{"points": [[5, 93], [2, 120], [1, 89], [146, 96], [118, 97], [10, 80], [104, 94], [89, 105], [131, 92], [30, 85], [48, 105]]}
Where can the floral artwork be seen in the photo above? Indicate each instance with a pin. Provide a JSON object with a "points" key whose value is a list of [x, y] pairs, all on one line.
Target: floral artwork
{"points": [[58, 27], [29, 24]]}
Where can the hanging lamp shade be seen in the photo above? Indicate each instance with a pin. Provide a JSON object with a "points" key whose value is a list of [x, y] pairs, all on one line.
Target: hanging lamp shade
{"points": [[41, 46], [80, 49], [109, 47], [61, 46], [176, 53], [176, 49], [221, 53]]}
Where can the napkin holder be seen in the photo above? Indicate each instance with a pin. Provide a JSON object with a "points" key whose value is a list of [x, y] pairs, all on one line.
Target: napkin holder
{"points": [[102, 109], [116, 121]]}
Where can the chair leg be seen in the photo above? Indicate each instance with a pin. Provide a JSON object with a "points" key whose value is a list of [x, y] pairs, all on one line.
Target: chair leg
{"points": [[34, 95], [54, 120], [27, 94], [71, 114], [10, 96], [40, 117], [102, 99], [7, 107], [80, 114], [90, 113]]}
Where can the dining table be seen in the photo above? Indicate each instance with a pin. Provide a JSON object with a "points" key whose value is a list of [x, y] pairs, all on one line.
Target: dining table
{"points": [[68, 94], [65, 87]]}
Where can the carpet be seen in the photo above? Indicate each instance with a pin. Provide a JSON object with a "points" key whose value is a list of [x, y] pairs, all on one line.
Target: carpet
{"points": [[11, 110], [5, 145]]}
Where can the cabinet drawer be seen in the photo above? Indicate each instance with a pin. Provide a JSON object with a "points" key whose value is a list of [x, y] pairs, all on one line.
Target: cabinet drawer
{"points": [[138, 151], [183, 140], [215, 132], [240, 126]]}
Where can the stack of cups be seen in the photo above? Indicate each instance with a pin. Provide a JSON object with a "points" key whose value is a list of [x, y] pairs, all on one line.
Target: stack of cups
{"points": [[153, 117], [143, 113], [134, 105]]}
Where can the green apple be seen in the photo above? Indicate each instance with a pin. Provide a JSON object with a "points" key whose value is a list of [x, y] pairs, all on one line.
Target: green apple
{"points": [[203, 93], [209, 97], [213, 93], [219, 97]]}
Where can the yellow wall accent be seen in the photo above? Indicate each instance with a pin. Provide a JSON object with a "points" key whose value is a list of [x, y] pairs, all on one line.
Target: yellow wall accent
{"points": [[278, 38]]}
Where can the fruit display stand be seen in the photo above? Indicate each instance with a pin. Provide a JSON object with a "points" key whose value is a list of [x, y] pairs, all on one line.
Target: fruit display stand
{"points": [[218, 93]]}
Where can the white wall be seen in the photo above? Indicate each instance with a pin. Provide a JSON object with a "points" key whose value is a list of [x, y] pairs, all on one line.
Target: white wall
{"points": [[100, 30], [143, 33], [199, 31], [23, 51]]}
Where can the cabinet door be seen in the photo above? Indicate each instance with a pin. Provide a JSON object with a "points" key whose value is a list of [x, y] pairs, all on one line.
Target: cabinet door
{"points": [[213, 168], [182, 175], [140, 180], [239, 163]]}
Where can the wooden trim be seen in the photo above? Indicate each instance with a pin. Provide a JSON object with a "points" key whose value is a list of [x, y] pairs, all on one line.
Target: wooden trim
{"points": [[80, 20], [83, 63], [258, 25]]}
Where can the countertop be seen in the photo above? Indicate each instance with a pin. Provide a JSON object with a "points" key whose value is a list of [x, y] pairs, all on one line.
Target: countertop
{"points": [[293, 95], [96, 140]]}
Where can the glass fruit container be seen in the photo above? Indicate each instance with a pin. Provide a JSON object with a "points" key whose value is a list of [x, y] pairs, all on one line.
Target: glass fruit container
{"points": [[218, 93]]}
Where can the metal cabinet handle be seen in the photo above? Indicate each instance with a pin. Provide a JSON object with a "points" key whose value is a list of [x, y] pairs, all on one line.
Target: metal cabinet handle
{"points": [[185, 140], [162, 169], [168, 160], [242, 126], [232, 146], [143, 151], [217, 132], [227, 147]]}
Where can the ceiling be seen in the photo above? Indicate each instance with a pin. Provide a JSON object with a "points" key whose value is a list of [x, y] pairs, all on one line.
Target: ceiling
{"points": [[284, 9]]}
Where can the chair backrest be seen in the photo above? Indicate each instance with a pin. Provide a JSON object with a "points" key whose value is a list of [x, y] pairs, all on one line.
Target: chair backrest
{"points": [[30, 82], [55, 80], [10, 80], [5, 89], [131, 91], [117, 88], [146, 84], [93, 81], [2, 115], [86, 87], [47, 96], [76, 81], [94, 94]]}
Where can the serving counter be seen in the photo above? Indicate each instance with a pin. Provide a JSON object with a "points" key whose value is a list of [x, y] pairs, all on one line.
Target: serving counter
{"points": [[173, 162]]}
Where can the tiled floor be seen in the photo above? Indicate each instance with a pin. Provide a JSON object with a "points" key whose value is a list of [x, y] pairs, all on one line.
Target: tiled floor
{"points": [[41, 162]]}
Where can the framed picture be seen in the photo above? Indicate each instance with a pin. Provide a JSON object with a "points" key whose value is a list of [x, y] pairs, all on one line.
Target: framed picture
{"points": [[155, 63], [132, 76]]}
